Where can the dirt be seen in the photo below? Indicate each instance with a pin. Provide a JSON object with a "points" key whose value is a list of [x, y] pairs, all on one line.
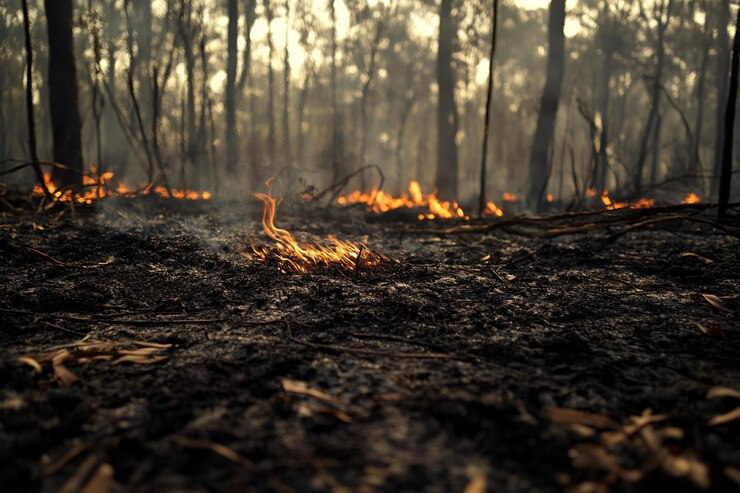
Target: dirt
{"points": [[459, 366]]}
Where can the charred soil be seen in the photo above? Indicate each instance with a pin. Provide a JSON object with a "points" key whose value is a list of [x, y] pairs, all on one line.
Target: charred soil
{"points": [[475, 360]]}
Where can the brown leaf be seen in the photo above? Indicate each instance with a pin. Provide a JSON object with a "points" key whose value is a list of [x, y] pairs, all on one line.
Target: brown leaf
{"points": [[54, 467], [569, 416], [716, 302], [152, 344], [725, 418], [478, 484], [689, 467], [714, 331], [698, 257], [733, 473], [217, 449], [141, 359], [31, 362], [102, 481], [716, 392], [297, 387], [65, 376]]}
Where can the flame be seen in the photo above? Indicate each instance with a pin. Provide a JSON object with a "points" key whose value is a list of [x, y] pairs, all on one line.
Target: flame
{"points": [[99, 185], [492, 210], [510, 197], [379, 201], [643, 203], [295, 256], [550, 197], [691, 198]]}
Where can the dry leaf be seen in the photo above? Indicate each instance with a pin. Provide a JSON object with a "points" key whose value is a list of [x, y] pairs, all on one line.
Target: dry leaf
{"points": [[31, 362], [697, 256], [716, 302], [689, 467], [297, 387], [733, 474], [151, 344], [75, 482], [712, 331], [716, 392], [217, 449], [65, 376], [140, 360], [569, 416], [54, 467], [486, 258], [478, 484], [725, 418], [102, 481]]}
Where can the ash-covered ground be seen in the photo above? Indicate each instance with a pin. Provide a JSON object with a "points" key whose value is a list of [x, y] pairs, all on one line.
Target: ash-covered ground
{"points": [[477, 361]]}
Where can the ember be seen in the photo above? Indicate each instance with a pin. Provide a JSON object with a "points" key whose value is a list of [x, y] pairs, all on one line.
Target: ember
{"points": [[295, 256]]}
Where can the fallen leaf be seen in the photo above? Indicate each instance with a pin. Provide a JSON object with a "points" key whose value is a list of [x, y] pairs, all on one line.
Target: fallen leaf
{"points": [[716, 302], [140, 359], [65, 376], [733, 473], [217, 449], [102, 481], [569, 416], [712, 331], [725, 418], [486, 258], [151, 344], [716, 392], [31, 362], [54, 467], [298, 387], [478, 484], [697, 256]]}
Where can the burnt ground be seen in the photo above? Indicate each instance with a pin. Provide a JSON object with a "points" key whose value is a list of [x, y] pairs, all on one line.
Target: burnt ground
{"points": [[570, 363]]}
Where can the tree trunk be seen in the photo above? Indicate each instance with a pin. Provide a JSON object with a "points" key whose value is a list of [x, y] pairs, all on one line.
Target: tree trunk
{"points": [[286, 98], [230, 96], [446, 180], [602, 163], [539, 165], [483, 192], [723, 66], [65, 114], [726, 171], [694, 165], [336, 165], [271, 138]]}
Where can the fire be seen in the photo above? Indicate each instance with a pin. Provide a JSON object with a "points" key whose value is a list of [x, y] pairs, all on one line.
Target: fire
{"points": [[379, 201], [492, 210], [510, 197], [639, 204], [98, 185], [691, 198], [295, 256]]}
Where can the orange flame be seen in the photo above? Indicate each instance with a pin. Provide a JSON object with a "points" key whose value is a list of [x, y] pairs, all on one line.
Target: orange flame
{"points": [[639, 204], [492, 210], [98, 185], [510, 197], [379, 201], [294, 256], [691, 198]]}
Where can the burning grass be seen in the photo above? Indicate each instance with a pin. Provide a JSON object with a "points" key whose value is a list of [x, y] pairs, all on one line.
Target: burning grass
{"points": [[292, 255], [97, 185]]}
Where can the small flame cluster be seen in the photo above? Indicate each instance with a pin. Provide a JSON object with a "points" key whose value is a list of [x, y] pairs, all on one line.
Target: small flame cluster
{"points": [[642, 203], [379, 201], [98, 185], [294, 256]]}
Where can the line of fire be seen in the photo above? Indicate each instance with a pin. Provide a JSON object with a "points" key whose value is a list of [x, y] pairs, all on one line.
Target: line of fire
{"points": [[369, 246]]}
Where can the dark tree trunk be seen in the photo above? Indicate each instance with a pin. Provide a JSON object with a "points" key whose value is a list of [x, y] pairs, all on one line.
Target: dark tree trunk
{"points": [[65, 114], [602, 163], [446, 181], [723, 66], [726, 171], [336, 164], [231, 97], [286, 98], [483, 194], [247, 57], [539, 165], [695, 162], [271, 131]]}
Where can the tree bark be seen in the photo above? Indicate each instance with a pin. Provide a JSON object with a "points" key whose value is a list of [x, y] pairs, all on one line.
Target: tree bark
{"points": [[723, 66], [483, 194], [447, 166], [726, 171], [336, 164], [286, 98], [230, 96], [539, 165], [695, 161], [63, 98], [271, 131]]}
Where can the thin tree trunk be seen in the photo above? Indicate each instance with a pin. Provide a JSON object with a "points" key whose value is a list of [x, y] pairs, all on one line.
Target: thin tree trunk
{"points": [[483, 195], [63, 98], [335, 144], [230, 96], [539, 165], [723, 66], [700, 88], [286, 98], [250, 17], [447, 166], [726, 172], [271, 131], [29, 104], [299, 118]]}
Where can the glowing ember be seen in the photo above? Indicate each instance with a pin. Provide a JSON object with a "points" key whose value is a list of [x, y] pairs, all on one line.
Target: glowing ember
{"points": [[379, 201], [98, 185], [550, 197], [492, 210], [510, 197], [691, 198], [639, 204], [295, 256]]}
